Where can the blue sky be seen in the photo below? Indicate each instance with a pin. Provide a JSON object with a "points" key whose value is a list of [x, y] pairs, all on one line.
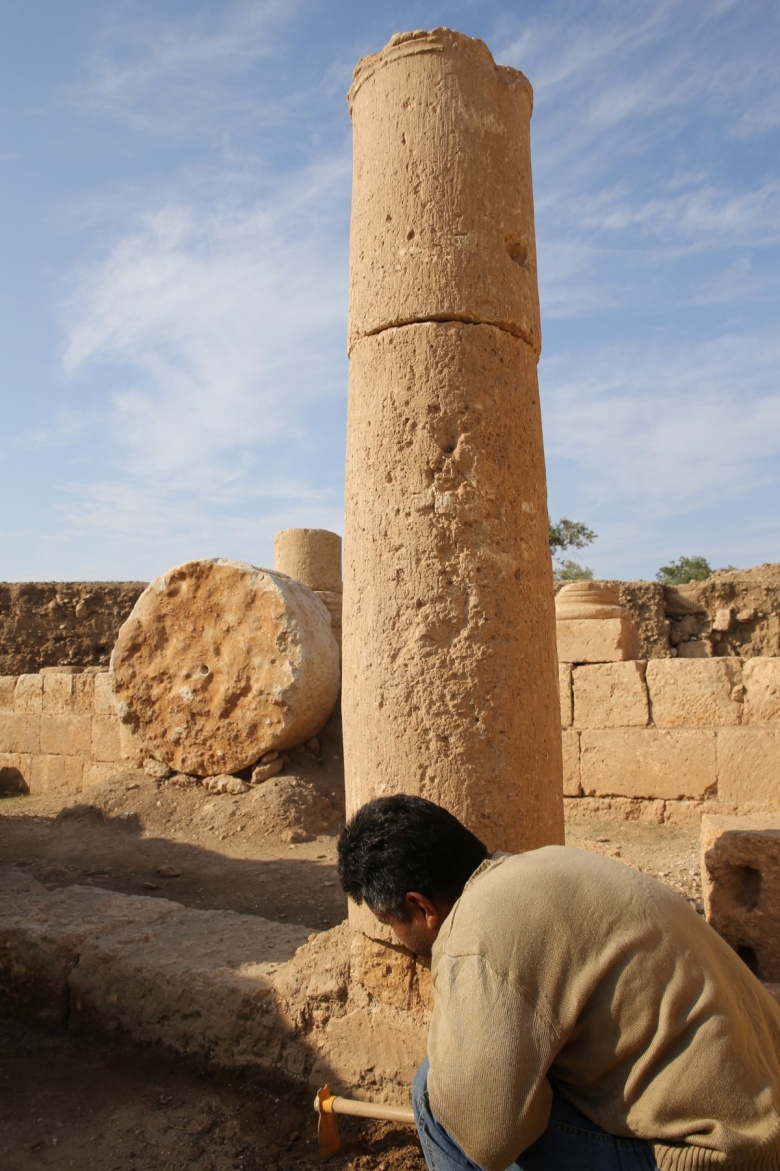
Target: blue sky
{"points": [[174, 211]]}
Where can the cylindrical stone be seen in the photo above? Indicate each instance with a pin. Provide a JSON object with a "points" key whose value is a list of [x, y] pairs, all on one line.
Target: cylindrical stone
{"points": [[450, 685], [221, 662], [312, 556], [442, 203]]}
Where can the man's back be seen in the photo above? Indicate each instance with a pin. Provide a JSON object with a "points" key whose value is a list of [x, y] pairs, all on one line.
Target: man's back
{"points": [[564, 964]]}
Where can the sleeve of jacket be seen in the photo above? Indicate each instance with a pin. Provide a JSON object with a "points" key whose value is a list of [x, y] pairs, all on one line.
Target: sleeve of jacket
{"points": [[489, 1050]]}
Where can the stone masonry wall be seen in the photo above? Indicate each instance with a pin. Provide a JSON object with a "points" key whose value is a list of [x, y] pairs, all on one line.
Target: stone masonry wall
{"points": [[59, 732], [663, 740], [671, 738]]}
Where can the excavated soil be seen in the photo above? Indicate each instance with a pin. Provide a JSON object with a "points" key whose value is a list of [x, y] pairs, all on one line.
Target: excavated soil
{"points": [[74, 1102]]}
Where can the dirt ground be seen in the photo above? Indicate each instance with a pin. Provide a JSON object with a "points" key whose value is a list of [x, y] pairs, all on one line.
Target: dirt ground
{"points": [[84, 1103]]}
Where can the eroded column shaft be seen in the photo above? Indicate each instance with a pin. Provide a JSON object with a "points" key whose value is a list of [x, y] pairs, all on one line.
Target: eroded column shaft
{"points": [[450, 680]]}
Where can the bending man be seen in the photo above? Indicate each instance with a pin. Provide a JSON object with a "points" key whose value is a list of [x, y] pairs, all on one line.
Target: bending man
{"points": [[585, 1017]]}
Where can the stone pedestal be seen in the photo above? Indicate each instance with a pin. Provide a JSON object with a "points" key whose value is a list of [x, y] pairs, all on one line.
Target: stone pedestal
{"points": [[450, 678], [592, 626]]}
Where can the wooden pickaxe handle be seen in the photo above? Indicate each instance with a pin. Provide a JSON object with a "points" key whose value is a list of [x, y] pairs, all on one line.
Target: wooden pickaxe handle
{"points": [[327, 1104]]}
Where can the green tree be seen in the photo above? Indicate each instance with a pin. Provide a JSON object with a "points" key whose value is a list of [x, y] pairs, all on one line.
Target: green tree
{"points": [[570, 534], [572, 571], [685, 570]]}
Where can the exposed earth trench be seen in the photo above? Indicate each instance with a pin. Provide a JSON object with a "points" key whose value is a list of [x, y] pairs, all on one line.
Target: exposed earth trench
{"points": [[75, 1101]]}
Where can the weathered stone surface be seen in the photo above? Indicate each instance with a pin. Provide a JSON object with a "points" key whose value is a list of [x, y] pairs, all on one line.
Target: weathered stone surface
{"points": [[7, 690], [749, 766], [42, 935], [648, 762], [20, 733], [610, 695], [571, 764], [66, 735], [589, 600], [51, 624], [750, 597], [688, 694], [761, 679], [52, 773], [220, 662], [264, 772], [312, 556], [601, 640], [432, 114], [28, 696], [450, 675], [565, 694], [740, 869]]}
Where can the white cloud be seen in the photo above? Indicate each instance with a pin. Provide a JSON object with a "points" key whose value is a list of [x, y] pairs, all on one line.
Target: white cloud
{"points": [[668, 431]]}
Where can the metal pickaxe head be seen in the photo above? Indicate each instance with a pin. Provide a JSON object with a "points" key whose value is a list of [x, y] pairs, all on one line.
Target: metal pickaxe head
{"points": [[327, 1129]]}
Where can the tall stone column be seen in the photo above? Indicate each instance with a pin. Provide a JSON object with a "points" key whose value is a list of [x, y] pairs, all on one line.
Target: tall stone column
{"points": [[449, 662]]}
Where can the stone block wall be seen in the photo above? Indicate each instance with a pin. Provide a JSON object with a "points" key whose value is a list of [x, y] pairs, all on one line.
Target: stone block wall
{"points": [[665, 739], [676, 735], [59, 732]]}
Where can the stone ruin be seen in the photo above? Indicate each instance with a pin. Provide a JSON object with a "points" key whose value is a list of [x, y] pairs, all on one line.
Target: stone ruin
{"points": [[450, 673]]}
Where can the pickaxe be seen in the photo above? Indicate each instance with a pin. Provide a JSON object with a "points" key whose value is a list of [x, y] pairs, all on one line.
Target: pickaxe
{"points": [[328, 1105]]}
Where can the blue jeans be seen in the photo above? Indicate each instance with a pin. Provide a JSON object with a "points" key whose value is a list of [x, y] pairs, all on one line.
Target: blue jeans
{"points": [[571, 1142]]}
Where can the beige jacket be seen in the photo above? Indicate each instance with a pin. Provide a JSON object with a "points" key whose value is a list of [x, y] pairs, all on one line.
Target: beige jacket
{"points": [[560, 966]]}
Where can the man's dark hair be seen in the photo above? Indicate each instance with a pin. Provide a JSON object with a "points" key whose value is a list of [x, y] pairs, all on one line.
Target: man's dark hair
{"points": [[398, 844]]}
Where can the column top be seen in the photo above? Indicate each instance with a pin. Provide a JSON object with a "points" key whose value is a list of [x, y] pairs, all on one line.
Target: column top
{"points": [[437, 40]]}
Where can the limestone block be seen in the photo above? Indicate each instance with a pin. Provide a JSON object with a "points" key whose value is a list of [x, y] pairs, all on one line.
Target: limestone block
{"points": [[565, 691], [648, 763], [220, 662], [432, 115], [749, 766], [56, 774], [7, 689], [599, 640], [105, 740], [312, 556], [197, 982], [41, 937], [66, 735], [104, 703], [703, 693], [571, 764], [28, 697], [450, 677], [610, 695], [740, 869], [57, 698], [761, 678], [20, 733]]}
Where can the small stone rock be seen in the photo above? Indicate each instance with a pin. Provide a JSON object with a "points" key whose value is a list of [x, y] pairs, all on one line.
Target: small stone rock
{"points": [[235, 785], [313, 745], [267, 757], [168, 872], [156, 768], [263, 772]]}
